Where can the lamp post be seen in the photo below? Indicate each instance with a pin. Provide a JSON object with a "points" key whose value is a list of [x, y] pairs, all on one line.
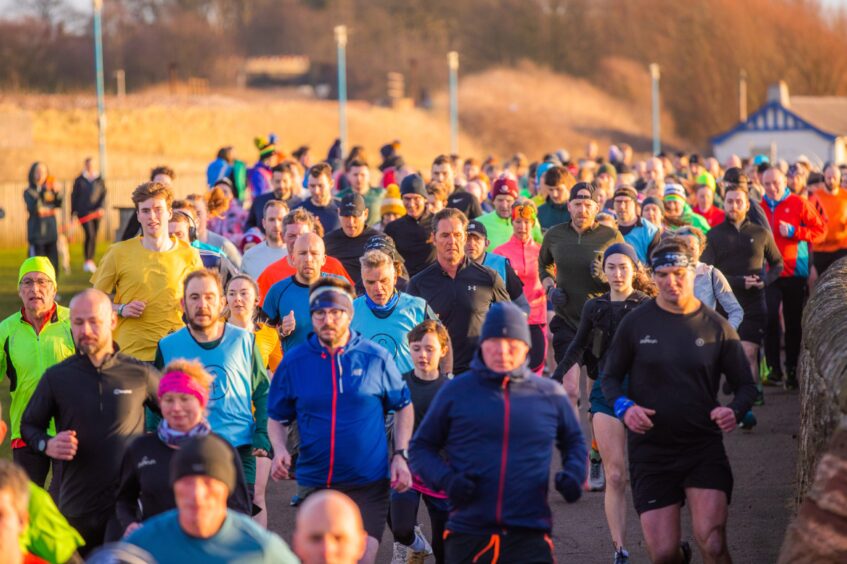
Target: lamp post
{"points": [[101, 102], [453, 64], [657, 143], [341, 43]]}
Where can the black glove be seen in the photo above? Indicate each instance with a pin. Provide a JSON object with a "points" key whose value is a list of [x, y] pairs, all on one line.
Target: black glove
{"points": [[461, 488], [570, 488], [557, 296]]}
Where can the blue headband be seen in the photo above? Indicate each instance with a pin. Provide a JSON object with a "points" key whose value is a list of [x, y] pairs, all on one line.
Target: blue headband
{"points": [[670, 258], [330, 297]]}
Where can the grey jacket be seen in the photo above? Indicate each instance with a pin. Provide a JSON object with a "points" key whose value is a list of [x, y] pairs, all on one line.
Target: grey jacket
{"points": [[711, 288]]}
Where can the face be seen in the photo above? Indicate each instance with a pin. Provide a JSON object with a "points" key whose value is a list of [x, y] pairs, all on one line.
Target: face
{"points": [[652, 214], [309, 256], [673, 207], [475, 246], [359, 178], [388, 218], [153, 215], [503, 205], [619, 270], [292, 232], [471, 170], [415, 205], [450, 241], [583, 212], [705, 198], [736, 205], [241, 298], [832, 178], [181, 411], [558, 194], [433, 204], [329, 538], [319, 189], [37, 293], [443, 173], [522, 228], [163, 179], [476, 189], [272, 223], [654, 170], [179, 229], [353, 225], [427, 353], [676, 284], [379, 282], [625, 208], [201, 501], [774, 183], [504, 355], [12, 526], [202, 303], [282, 183], [92, 322], [331, 325]]}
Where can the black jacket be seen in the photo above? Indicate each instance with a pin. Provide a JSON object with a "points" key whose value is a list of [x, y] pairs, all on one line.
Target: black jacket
{"points": [[87, 195], [413, 239], [40, 230], [105, 406]]}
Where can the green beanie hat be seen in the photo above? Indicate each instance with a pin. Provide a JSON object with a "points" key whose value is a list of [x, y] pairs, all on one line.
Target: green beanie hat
{"points": [[37, 264]]}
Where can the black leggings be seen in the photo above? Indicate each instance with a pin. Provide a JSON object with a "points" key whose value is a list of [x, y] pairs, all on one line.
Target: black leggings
{"points": [[90, 229], [791, 293], [538, 351], [37, 466], [403, 516], [49, 250]]}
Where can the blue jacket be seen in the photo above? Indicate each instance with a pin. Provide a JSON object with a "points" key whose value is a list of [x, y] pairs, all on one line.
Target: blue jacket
{"points": [[640, 238], [502, 430], [339, 402]]}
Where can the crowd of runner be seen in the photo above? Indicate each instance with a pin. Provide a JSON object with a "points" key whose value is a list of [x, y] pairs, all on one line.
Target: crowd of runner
{"points": [[386, 336]]}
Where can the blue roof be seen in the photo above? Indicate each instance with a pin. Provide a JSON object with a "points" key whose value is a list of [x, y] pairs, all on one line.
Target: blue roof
{"points": [[772, 117]]}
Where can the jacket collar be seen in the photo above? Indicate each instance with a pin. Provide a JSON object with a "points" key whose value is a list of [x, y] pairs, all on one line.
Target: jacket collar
{"points": [[479, 367]]}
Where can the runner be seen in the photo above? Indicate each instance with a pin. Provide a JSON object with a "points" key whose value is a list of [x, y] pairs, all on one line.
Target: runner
{"points": [[31, 341], [272, 248], [678, 212], [674, 351], [97, 400], [412, 233], [476, 242], [498, 223], [459, 290], [499, 442], [88, 197], [637, 231], [284, 190], [14, 501], [329, 529], [238, 399], [343, 444], [347, 243], [147, 270], [833, 201], [183, 226], [320, 197], [359, 180], [442, 172], [598, 323], [429, 344]]}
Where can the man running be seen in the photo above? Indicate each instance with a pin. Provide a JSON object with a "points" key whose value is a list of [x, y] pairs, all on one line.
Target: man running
{"points": [[636, 231], [320, 197], [833, 201], [272, 249], [412, 233], [674, 350], [462, 200], [347, 243]]}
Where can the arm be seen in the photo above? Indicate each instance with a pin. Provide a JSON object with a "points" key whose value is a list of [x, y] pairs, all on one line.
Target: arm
{"points": [[281, 412], [812, 227], [571, 442], [500, 293], [726, 298], [737, 370], [260, 385], [40, 409], [404, 421], [546, 266], [153, 377], [126, 505], [774, 260], [573, 355], [430, 439]]}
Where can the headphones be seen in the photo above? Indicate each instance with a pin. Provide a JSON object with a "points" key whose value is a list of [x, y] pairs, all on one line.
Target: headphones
{"points": [[192, 224]]}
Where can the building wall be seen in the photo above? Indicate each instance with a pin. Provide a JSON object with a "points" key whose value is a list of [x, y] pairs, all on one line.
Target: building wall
{"points": [[786, 145]]}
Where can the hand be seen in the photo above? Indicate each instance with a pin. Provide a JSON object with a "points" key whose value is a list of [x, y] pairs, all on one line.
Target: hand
{"points": [[401, 477], [725, 418], [461, 488], [570, 488], [753, 282], [786, 229], [557, 296], [288, 324], [133, 309], [637, 419], [281, 465], [130, 528], [260, 452], [63, 446]]}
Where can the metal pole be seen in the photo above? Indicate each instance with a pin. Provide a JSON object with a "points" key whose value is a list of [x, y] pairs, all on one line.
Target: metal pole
{"points": [[453, 64], [341, 42], [742, 95], [657, 143], [101, 103]]}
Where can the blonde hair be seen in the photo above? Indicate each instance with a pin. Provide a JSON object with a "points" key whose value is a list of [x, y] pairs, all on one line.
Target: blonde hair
{"points": [[193, 370]]}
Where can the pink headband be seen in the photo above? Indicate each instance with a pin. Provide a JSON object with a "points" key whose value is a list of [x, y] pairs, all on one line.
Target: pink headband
{"points": [[182, 383]]}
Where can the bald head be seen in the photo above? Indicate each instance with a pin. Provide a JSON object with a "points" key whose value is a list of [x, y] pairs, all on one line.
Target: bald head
{"points": [[92, 322], [654, 170], [308, 258], [329, 530]]}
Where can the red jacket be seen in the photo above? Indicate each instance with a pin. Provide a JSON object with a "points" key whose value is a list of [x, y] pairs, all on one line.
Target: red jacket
{"points": [[808, 226]]}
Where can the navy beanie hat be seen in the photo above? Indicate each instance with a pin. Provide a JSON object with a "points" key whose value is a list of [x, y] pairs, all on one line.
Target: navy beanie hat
{"points": [[621, 249], [505, 320]]}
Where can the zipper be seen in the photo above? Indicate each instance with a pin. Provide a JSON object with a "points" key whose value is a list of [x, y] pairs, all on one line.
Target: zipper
{"points": [[335, 385], [100, 388], [504, 454]]}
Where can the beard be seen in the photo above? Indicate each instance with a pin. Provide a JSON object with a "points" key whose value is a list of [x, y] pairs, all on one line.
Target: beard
{"points": [[201, 324], [92, 346]]}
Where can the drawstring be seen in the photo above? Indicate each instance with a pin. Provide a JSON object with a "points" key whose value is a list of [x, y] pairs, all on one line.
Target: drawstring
{"points": [[493, 544]]}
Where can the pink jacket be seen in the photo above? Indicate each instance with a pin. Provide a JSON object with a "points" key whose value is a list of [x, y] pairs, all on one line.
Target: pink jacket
{"points": [[524, 260]]}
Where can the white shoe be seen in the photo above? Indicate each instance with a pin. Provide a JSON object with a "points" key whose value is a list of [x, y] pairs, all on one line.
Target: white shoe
{"points": [[419, 556], [89, 266]]}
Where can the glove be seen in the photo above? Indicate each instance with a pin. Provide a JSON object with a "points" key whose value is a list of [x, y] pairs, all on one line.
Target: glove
{"points": [[570, 489], [557, 296], [461, 488]]}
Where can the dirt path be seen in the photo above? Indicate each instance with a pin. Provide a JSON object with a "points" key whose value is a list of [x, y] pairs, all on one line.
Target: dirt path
{"points": [[763, 464]]}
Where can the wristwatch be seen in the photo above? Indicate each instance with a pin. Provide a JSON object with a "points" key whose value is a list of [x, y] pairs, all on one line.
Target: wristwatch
{"points": [[402, 452]]}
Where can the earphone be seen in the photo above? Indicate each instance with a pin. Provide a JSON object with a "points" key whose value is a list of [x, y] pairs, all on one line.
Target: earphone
{"points": [[192, 224]]}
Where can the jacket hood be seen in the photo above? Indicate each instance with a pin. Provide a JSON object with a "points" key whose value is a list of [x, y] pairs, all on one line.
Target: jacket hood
{"points": [[316, 346], [478, 366]]}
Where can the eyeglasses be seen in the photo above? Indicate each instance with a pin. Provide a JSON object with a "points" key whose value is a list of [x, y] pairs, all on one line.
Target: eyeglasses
{"points": [[40, 283], [524, 212], [322, 314]]}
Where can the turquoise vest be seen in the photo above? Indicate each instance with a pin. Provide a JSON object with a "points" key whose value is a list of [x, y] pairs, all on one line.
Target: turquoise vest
{"points": [[391, 332], [497, 263], [231, 363]]}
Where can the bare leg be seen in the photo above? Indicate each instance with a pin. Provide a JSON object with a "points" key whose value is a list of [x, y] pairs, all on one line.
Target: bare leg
{"points": [[661, 533], [611, 438], [708, 520], [751, 351], [370, 552], [263, 470]]}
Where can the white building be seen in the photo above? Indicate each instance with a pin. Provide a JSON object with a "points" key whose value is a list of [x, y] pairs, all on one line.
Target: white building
{"points": [[787, 127]]}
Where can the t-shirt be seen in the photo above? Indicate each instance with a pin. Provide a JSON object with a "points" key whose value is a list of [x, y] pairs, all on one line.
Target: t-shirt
{"points": [[258, 258], [349, 250], [239, 541], [282, 269], [422, 392], [328, 214], [132, 273], [284, 297]]}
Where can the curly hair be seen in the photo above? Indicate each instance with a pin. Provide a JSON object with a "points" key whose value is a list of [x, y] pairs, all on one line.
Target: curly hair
{"points": [[193, 370]]}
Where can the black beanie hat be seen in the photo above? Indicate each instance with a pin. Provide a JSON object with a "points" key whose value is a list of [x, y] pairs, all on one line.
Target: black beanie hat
{"points": [[205, 456], [505, 320], [413, 184]]}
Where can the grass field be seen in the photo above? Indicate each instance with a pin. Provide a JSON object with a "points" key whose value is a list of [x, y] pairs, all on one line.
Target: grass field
{"points": [[10, 260]]}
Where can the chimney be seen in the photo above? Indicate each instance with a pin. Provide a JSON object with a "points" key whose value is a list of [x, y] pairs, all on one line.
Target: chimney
{"points": [[779, 93]]}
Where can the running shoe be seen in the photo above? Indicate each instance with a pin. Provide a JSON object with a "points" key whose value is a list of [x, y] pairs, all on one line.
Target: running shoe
{"points": [[596, 476], [748, 421], [419, 556], [621, 556], [686, 552], [400, 553]]}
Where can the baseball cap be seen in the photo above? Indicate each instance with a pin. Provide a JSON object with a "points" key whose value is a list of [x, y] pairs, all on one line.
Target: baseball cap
{"points": [[413, 184], [627, 191], [504, 186], [205, 456], [477, 228], [578, 192], [352, 205]]}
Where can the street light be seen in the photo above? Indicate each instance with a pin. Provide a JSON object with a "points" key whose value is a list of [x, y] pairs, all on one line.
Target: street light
{"points": [[453, 64], [657, 143], [341, 43], [101, 103]]}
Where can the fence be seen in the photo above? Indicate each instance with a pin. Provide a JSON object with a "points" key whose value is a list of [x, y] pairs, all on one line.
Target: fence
{"points": [[118, 195]]}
